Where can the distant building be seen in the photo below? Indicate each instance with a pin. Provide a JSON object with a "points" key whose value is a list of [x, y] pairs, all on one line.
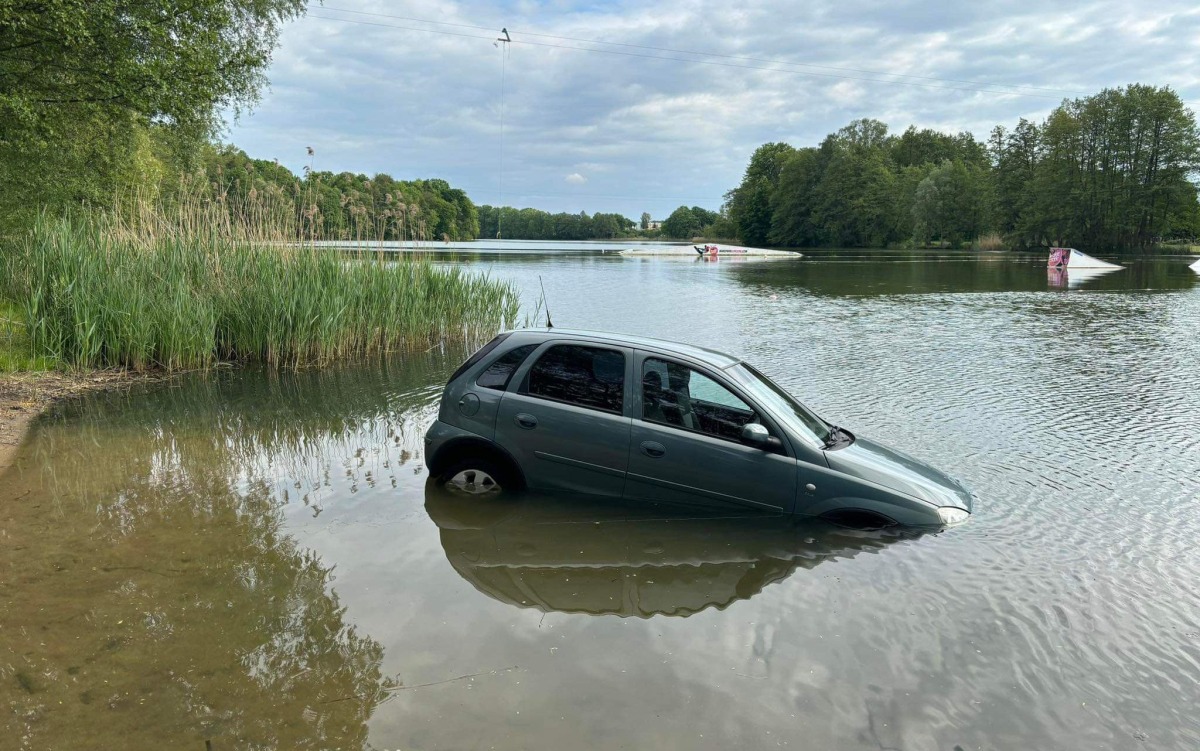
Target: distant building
{"points": [[655, 224]]}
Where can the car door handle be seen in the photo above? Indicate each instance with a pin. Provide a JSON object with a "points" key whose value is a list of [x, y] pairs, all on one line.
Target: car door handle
{"points": [[653, 449], [526, 420]]}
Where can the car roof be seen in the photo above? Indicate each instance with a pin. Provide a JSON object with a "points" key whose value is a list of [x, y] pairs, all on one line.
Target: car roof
{"points": [[703, 354]]}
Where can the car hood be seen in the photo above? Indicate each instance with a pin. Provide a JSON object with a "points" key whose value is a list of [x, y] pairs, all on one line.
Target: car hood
{"points": [[874, 462]]}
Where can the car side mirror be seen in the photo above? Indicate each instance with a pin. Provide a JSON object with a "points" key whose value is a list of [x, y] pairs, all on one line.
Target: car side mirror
{"points": [[756, 435]]}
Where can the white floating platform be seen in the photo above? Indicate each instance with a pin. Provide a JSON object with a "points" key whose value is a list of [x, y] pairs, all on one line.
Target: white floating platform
{"points": [[708, 250], [1069, 258], [1195, 267]]}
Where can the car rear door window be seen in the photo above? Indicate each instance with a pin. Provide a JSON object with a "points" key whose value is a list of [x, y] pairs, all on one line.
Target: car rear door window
{"points": [[500, 372], [589, 377], [679, 396]]}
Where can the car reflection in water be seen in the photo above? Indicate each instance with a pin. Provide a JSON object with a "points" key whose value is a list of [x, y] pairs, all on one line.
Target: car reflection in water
{"points": [[578, 555]]}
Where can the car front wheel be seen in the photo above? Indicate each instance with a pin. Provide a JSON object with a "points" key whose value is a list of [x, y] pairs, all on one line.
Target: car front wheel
{"points": [[479, 476]]}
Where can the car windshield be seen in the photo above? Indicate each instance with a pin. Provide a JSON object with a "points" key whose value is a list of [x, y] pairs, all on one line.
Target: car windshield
{"points": [[780, 402]]}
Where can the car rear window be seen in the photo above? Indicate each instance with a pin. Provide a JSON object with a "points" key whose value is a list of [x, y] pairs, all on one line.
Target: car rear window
{"points": [[482, 353], [499, 373], [584, 376]]}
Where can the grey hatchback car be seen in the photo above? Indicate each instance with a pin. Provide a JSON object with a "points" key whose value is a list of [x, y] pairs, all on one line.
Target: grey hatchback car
{"points": [[623, 416]]}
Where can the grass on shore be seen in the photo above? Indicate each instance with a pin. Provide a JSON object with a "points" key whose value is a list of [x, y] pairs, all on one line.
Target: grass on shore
{"points": [[180, 292], [16, 352], [1177, 247]]}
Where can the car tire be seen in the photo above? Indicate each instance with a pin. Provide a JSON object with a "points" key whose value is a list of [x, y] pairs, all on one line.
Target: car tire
{"points": [[480, 476]]}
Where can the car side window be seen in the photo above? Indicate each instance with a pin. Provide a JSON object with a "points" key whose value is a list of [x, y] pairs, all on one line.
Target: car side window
{"points": [[584, 376], [500, 372], [676, 395]]}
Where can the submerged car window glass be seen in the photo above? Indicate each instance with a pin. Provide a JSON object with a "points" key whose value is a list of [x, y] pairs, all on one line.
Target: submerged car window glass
{"points": [[498, 373], [784, 404], [482, 353], [584, 376], [676, 395]]}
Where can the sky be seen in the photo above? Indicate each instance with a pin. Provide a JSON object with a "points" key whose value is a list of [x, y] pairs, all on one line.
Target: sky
{"points": [[424, 90]]}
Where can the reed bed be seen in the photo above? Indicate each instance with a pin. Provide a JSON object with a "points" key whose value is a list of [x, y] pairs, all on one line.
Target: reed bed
{"points": [[144, 288], [991, 241]]}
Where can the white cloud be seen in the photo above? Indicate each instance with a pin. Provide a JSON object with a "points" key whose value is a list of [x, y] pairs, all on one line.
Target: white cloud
{"points": [[846, 92], [652, 134]]}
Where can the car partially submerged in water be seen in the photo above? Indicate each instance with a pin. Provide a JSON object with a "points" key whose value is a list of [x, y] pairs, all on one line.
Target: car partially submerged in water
{"points": [[644, 419]]}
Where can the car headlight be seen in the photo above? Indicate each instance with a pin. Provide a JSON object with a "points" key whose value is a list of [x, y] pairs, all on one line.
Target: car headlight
{"points": [[951, 515]]}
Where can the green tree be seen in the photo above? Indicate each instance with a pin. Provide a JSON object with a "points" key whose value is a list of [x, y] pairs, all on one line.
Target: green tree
{"points": [[854, 202], [100, 94], [922, 147], [795, 198], [750, 203], [682, 224], [1015, 157], [904, 195], [863, 135], [704, 217], [645, 220], [855, 206], [950, 204], [608, 226], [533, 224], [721, 228], [172, 62], [1113, 170]]}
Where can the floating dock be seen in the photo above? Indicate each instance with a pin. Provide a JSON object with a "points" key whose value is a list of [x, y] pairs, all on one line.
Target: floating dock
{"points": [[708, 250]]}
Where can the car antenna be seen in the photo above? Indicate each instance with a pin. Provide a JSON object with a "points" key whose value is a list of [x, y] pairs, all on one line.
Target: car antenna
{"points": [[549, 324]]}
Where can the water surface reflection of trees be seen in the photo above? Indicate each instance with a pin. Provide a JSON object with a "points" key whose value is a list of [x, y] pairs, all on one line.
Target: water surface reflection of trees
{"points": [[842, 273], [152, 596]]}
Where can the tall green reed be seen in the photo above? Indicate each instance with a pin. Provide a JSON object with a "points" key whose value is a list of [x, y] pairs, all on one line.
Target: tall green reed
{"points": [[143, 287]]}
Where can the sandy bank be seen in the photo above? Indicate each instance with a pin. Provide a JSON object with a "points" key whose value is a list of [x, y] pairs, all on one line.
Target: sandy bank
{"points": [[23, 396]]}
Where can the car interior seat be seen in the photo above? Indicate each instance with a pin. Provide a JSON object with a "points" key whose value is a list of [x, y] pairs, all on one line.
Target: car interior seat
{"points": [[652, 399]]}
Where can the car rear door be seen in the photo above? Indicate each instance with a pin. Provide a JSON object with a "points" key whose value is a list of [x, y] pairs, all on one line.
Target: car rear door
{"points": [[565, 420], [684, 442]]}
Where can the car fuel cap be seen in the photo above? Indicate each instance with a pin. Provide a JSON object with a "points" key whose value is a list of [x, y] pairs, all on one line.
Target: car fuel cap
{"points": [[468, 405]]}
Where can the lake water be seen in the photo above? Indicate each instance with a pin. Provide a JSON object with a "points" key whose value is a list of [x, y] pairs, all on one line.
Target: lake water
{"points": [[503, 247], [255, 560]]}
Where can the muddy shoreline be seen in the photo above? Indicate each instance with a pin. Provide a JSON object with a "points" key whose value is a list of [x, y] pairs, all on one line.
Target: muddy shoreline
{"points": [[24, 396]]}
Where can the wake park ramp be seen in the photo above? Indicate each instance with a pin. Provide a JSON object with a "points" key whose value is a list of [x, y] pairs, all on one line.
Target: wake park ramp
{"points": [[707, 250], [1195, 267], [1069, 258]]}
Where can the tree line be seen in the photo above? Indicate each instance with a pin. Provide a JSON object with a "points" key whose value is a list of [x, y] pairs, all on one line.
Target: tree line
{"points": [[686, 223], [1110, 171], [99, 98], [343, 205], [533, 224]]}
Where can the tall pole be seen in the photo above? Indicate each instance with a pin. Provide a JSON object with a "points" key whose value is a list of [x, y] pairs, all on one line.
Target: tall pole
{"points": [[503, 43]]}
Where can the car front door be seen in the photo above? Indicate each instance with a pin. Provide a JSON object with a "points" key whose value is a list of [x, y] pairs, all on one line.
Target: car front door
{"points": [[565, 419], [685, 443]]}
